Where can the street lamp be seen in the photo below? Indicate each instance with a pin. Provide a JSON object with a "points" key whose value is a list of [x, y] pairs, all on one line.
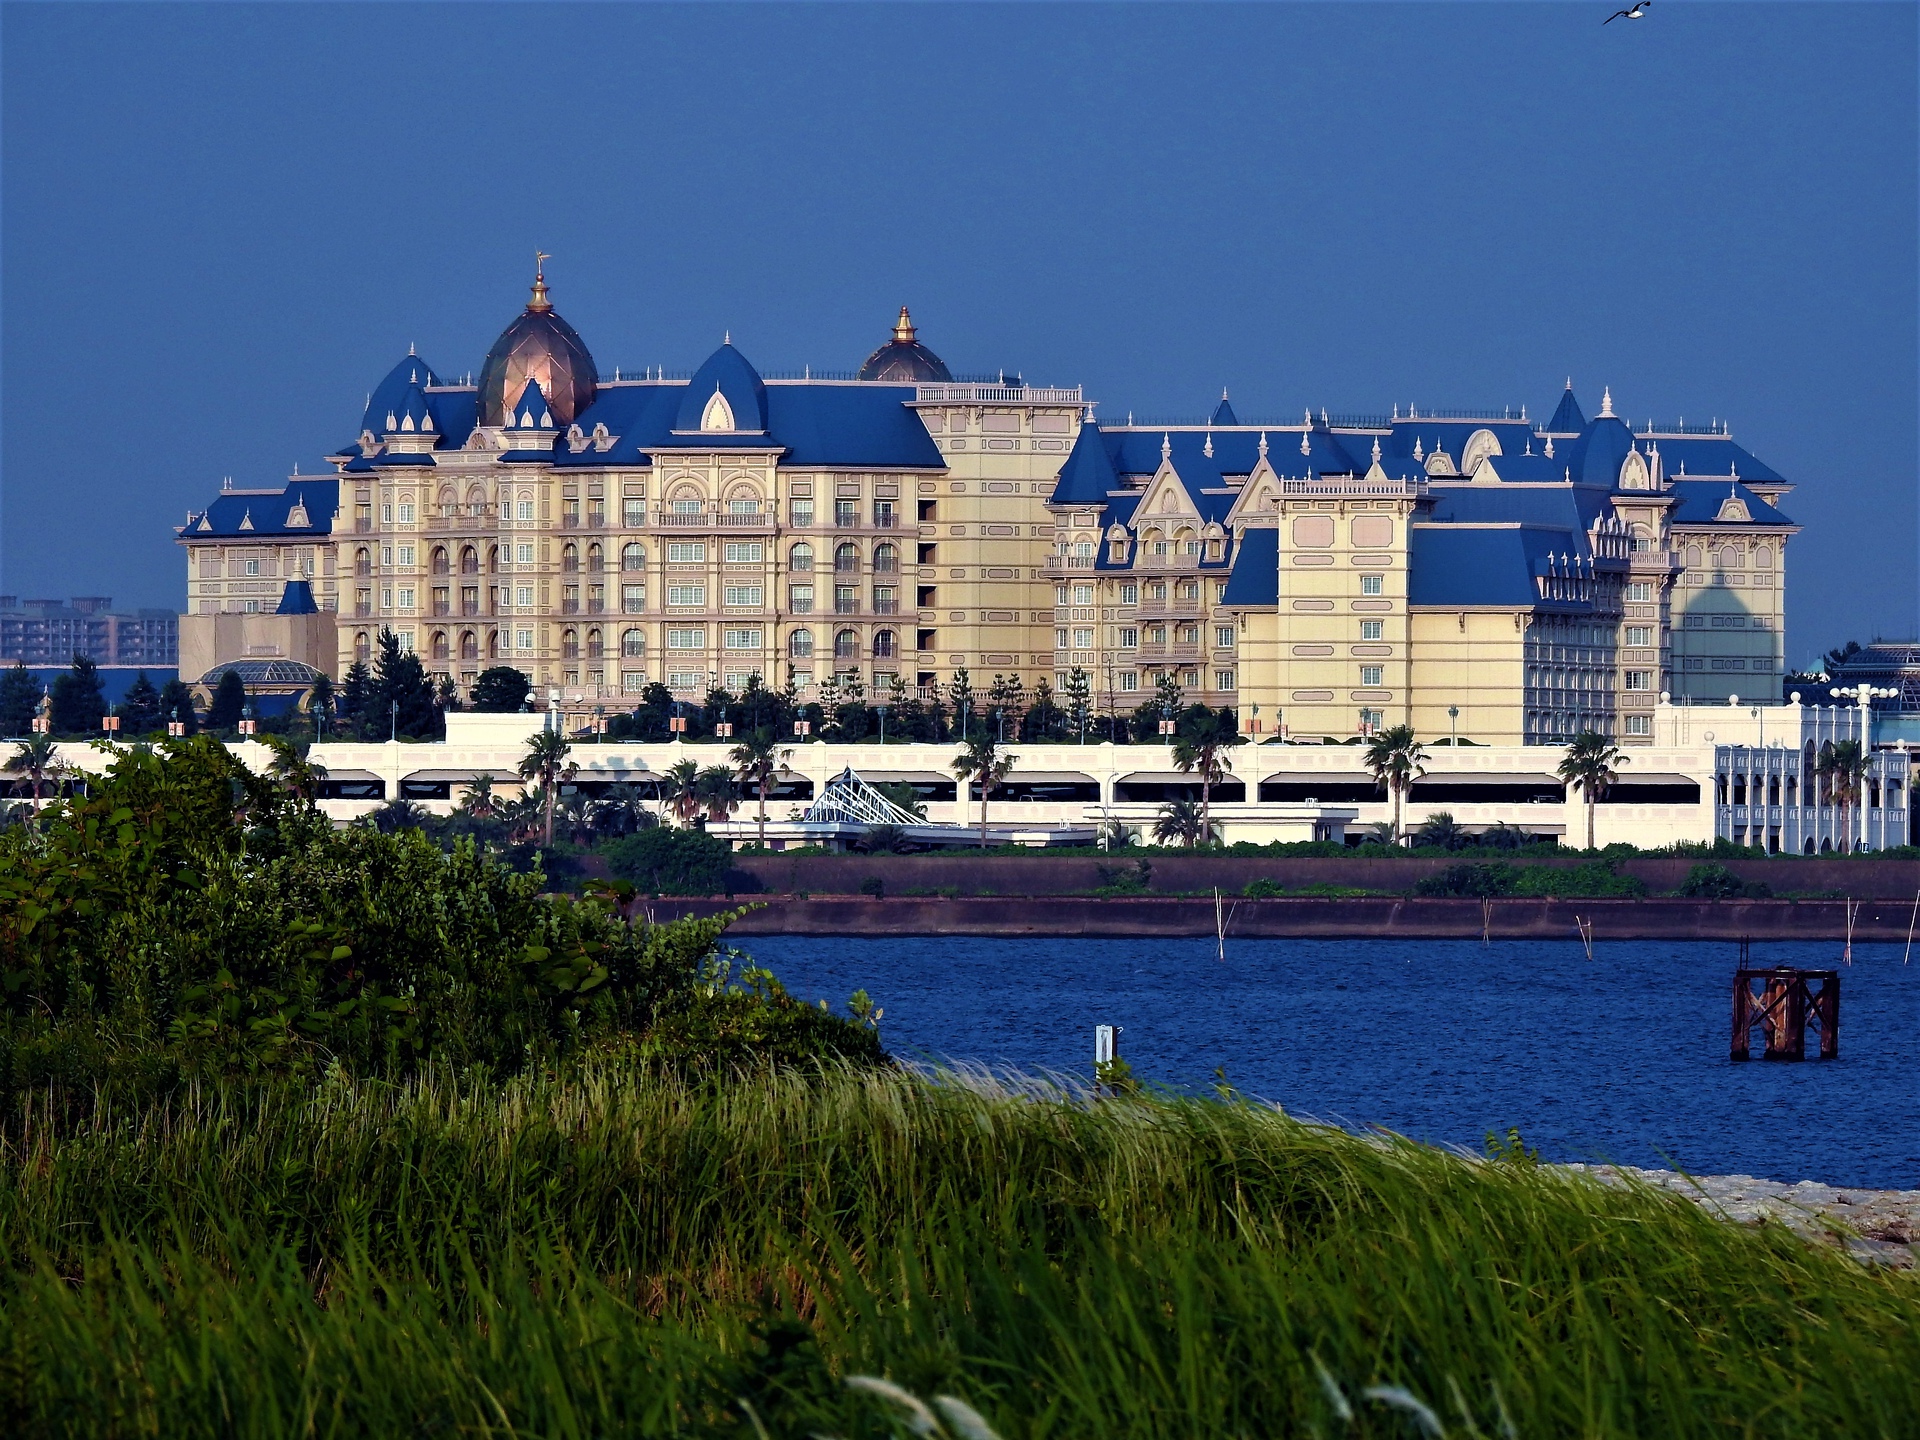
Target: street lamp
{"points": [[881, 711], [1453, 723], [393, 716]]}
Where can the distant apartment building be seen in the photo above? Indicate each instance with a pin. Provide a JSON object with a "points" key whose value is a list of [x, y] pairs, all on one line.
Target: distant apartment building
{"points": [[52, 632]]}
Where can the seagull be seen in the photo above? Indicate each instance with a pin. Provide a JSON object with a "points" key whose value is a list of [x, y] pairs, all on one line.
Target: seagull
{"points": [[1639, 9]]}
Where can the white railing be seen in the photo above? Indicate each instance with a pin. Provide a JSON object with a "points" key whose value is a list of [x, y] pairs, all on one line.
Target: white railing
{"points": [[1352, 485], [999, 395]]}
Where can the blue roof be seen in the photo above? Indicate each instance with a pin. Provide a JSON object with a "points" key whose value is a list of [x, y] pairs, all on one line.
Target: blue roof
{"points": [[726, 373], [297, 599], [1698, 502], [1705, 456], [391, 393], [1595, 458], [1256, 570], [1482, 565], [267, 513], [1223, 412], [1088, 474], [530, 411], [1567, 419], [413, 416], [1452, 436]]}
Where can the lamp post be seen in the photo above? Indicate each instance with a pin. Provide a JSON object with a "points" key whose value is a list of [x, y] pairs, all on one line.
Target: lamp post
{"points": [[881, 711], [393, 717], [1453, 725]]}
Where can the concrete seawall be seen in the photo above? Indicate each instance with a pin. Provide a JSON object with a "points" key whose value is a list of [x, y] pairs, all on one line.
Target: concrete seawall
{"points": [[1381, 917]]}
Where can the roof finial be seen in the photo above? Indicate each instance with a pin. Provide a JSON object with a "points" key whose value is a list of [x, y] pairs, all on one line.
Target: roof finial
{"points": [[1606, 403], [726, 337], [1376, 449], [1569, 382], [410, 351], [1263, 444], [1166, 446], [1418, 453], [1305, 448], [1549, 450], [1207, 449], [540, 304], [1223, 392], [903, 331]]}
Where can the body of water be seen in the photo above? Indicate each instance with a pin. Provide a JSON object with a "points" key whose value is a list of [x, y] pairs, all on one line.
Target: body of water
{"points": [[1620, 1058]]}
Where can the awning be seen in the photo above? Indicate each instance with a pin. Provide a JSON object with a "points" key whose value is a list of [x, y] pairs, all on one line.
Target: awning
{"points": [[352, 775], [1626, 779], [619, 774], [1319, 777], [905, 777], [459, 777], [1047, 777], [1159, 777], [1486, 777]]}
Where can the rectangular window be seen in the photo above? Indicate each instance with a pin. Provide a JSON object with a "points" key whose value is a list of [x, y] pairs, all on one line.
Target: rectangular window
{"points": [[686, 552], [745, 595], [406, 514], [1639, 590], [523, 595], [1639, 679], [524, 510], [1372, 629], [693, 637], [800, 599], [405, 637], [743, 507], [633, 598], [634, 513], [386, 598], [632, 682], [846, 513], [523, 639], [1083, 639], [688, 507], [523, 554], [1130, 594], [744, 552], [1060, 638], [1371, 719], [801, 512], [1223, 680], [1639, 635], [1129, 638], [1372, 584], [1370, 674], [406, 598], [846, 600], [1639, 725], [686, 680], [1083, 594], [1129, 681], [386, 514], [883, 515], [741, 639], [1060, 595], [250, 567], [386, 557], [406, 557], [1223, 637], [686, 594]]}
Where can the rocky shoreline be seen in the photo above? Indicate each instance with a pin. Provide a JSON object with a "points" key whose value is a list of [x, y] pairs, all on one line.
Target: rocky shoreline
{"points": [[1877, 1227]]}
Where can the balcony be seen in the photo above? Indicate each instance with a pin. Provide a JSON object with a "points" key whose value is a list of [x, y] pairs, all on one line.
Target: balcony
{"points": [[569, 607], [683, 522], [1070, 562], [362, 526], [596, 607], [441, 607], [886, 607], [743, 522], [846, 607]]}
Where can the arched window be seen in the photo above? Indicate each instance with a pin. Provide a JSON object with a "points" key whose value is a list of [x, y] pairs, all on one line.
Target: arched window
{"points": [[441, 650], [469, 645], [743, 502], [800, 558], [469, 561], [570, 557], [596, 560], [493, 559], [633, 643], [440, 565], [596, 646], [1763, 557], [570, 644], [886, 559], [476, 499], [1693, 557], [1729, 558], [363, 561], [360, 645], [800, 644], [493, 644], [883, 644], [846, 557], [633, 557], [846, 645]]}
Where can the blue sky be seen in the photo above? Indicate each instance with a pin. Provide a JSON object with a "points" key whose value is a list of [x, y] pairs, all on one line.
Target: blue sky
{"points": [[222, 225]]}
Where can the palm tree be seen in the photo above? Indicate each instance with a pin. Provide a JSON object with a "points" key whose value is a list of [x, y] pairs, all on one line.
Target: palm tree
{"points": [[299, 776], [522, 816], [1183, 821], [623, 810], [1843, 765], [757, 760], [715, 790], [546, 763], [1441, 831], [1203, 747], [38, 758], [478, 798], [576, 814], [1589, 763], [680, 790], [1395, 760], [984, 763]]}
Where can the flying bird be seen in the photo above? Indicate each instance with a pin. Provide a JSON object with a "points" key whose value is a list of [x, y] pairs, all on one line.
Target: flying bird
{"points": [[1639, 9]]}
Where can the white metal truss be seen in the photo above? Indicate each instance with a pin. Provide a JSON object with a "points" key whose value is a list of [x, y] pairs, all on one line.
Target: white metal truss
{"points": [[849, 800]]}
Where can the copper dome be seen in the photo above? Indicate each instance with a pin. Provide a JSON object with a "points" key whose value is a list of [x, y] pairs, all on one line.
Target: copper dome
{"points": [[537, 346], [904, 360]]}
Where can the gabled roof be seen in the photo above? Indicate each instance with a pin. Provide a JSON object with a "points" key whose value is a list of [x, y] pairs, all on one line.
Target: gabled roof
{"points": [[1567, 419], [725, 373], [267, 513], [1699, 502]]}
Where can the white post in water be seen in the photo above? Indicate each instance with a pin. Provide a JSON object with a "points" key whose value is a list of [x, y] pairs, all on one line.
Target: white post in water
{"points": [[1106, 1044]]}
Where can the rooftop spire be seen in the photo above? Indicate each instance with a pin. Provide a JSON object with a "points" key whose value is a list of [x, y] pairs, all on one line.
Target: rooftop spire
{"points": [[903, 328], [540, 304], [1606, 402]]}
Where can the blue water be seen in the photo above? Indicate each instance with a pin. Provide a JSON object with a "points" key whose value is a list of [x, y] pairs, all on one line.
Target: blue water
{"points": [[1623, 1058]]}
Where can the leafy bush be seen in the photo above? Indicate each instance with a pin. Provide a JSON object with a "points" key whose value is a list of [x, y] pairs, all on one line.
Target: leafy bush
{"points": [[1717, 882], [671, 862], [1596, 878], [873, 885], [1261, 888], [1125, 879]]}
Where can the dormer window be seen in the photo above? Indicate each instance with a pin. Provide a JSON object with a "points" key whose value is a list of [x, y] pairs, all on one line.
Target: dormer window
{"points": [[718, 415]]}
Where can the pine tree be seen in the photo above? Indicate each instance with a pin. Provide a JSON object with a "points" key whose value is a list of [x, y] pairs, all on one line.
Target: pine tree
{"points": [[1079, 698], [176, 703], [320, 704], [140, 712], [19, 699], [500, 690], [229, 702], [960, 698], [400, 679], [352, 705], [78, 702]]}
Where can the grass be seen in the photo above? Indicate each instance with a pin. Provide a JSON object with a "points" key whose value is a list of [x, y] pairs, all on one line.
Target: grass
{"points": [[617, 1253]]}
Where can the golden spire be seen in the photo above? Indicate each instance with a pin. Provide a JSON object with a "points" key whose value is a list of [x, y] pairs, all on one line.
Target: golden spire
{"points": [[540, 304], [903, 328]]}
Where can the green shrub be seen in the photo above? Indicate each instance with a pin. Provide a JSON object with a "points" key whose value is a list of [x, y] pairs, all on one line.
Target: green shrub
{"points": [[1717, 882], [671, 862], [1262, 888], [1595, 879], [873, 885], [1131, 879]]}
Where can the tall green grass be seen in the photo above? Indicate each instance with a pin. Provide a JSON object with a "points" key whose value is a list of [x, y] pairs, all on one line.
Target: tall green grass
{"points": [[620, 1254]]}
